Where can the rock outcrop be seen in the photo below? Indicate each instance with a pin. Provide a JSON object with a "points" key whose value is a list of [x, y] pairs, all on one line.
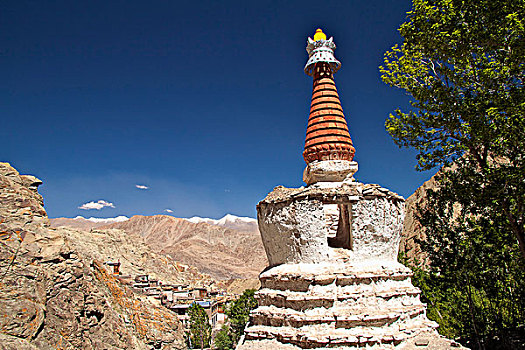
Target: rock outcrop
{"points": [[237, 286], [412, 229], [54, 294]]}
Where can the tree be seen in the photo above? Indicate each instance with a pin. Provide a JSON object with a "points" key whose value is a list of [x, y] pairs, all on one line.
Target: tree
{"points": [[475, 284], [463, 64], [239, 313], [223, 340], [199, 327]]}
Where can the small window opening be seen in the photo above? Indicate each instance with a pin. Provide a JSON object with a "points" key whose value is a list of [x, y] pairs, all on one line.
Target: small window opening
{"points": [[339, 224]]}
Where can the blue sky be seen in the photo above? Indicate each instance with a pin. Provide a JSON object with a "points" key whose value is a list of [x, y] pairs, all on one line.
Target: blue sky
{"points": [[204, 102]]}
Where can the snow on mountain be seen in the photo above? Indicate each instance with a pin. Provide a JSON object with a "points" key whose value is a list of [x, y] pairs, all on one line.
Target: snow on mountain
{"points": [[119, 218], [229, 221], [198, 220], [82, 223], [228, 218]]}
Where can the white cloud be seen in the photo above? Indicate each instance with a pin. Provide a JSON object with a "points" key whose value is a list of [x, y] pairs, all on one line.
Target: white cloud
{"points": [[168, 210], [142, 187], [96, 205]]}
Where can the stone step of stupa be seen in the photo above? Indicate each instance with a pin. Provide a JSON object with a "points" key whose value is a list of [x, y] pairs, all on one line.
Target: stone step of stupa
{"points": [[369, 295], [302, 277], [334, 317], [373, 304], [328, 336]]}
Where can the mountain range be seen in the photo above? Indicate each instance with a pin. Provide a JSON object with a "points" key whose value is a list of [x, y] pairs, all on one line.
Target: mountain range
{"points": [[227, 248]]}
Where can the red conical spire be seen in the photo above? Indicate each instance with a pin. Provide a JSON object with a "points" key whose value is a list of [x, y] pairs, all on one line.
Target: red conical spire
{"points": [[327, 136]]}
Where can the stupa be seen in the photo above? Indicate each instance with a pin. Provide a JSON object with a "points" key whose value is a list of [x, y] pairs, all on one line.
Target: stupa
{"points": [[333, 280]]}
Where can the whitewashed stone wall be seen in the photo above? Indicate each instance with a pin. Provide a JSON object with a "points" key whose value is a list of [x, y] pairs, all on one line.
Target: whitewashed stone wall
{"points": [[297, 230], [376, 228], [293, 232], [318, 294], [331, 218]]}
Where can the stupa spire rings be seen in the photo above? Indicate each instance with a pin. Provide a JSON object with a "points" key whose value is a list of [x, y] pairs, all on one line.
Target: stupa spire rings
{"points": [[328, 149], [321, 50]]}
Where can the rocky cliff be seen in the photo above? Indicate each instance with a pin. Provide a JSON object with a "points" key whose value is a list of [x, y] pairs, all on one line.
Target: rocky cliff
{"points": [[55, 292], [412, 229]]}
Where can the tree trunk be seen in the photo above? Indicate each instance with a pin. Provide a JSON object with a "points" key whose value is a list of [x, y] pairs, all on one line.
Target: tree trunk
{"points": [[472, 317], [516, 228]]}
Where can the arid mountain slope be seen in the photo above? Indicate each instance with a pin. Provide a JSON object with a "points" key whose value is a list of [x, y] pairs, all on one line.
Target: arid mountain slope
{"points": [[55, 292], [216, 250]]}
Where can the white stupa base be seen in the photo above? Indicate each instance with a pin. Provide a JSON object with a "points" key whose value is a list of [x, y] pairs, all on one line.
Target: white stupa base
{"points": [[372, 305]]}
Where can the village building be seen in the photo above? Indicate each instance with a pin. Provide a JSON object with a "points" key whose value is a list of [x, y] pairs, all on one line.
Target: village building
{"points": [[142, 278], [199, 293], [115, 265], [217, 313], [180, 287]]}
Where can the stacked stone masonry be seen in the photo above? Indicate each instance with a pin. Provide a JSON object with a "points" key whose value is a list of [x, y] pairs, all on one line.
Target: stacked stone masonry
{"points": [[320, 305], [297, 225], [319, 294]]}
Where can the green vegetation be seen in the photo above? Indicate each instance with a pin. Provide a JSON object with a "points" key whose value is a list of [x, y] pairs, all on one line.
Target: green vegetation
{"points": [[223, 340], [199, 335], [463, 64], [238, 313]]}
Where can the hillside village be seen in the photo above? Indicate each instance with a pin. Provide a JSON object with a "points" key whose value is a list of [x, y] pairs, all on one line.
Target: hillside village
{"points": [[175, 297]]}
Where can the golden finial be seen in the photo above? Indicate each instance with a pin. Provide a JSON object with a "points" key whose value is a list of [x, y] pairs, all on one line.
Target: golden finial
{"points": [[319, 35]]}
